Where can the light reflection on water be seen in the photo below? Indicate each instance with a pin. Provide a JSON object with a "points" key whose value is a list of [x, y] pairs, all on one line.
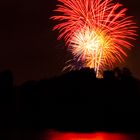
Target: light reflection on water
{"points": [[55, 135]]}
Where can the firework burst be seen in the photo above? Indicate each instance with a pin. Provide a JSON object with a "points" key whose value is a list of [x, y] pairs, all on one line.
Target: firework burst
{"points": [[96, 31]]}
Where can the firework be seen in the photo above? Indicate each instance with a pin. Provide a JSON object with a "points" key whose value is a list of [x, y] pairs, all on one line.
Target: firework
{"points": [[97, 32]]}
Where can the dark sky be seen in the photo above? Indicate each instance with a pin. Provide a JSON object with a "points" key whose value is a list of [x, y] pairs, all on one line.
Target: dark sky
{"points": [[28, 46]]}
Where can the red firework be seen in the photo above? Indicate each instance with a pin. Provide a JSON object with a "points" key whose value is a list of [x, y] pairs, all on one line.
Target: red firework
{"points": [[96, 31]]}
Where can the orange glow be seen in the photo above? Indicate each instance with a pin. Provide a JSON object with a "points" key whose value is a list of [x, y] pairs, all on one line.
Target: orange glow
{"points": [[55, 135], [95, 47]]}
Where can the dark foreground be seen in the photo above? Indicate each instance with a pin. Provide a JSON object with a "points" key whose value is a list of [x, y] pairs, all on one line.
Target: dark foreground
{"points": [[75, 102]]}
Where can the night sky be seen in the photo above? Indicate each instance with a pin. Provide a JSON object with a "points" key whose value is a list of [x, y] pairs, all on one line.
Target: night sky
{"points": [[28, 46]]}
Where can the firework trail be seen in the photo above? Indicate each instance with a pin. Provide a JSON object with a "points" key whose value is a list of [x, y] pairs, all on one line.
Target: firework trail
{"points": [[95, 31]]}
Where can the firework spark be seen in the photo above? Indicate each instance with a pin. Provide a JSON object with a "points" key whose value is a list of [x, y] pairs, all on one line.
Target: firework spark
{"points": [[96, 31]]}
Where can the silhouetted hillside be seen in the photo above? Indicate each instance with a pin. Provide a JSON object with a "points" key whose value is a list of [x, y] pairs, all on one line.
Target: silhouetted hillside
{"points": [[76, 101]]}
